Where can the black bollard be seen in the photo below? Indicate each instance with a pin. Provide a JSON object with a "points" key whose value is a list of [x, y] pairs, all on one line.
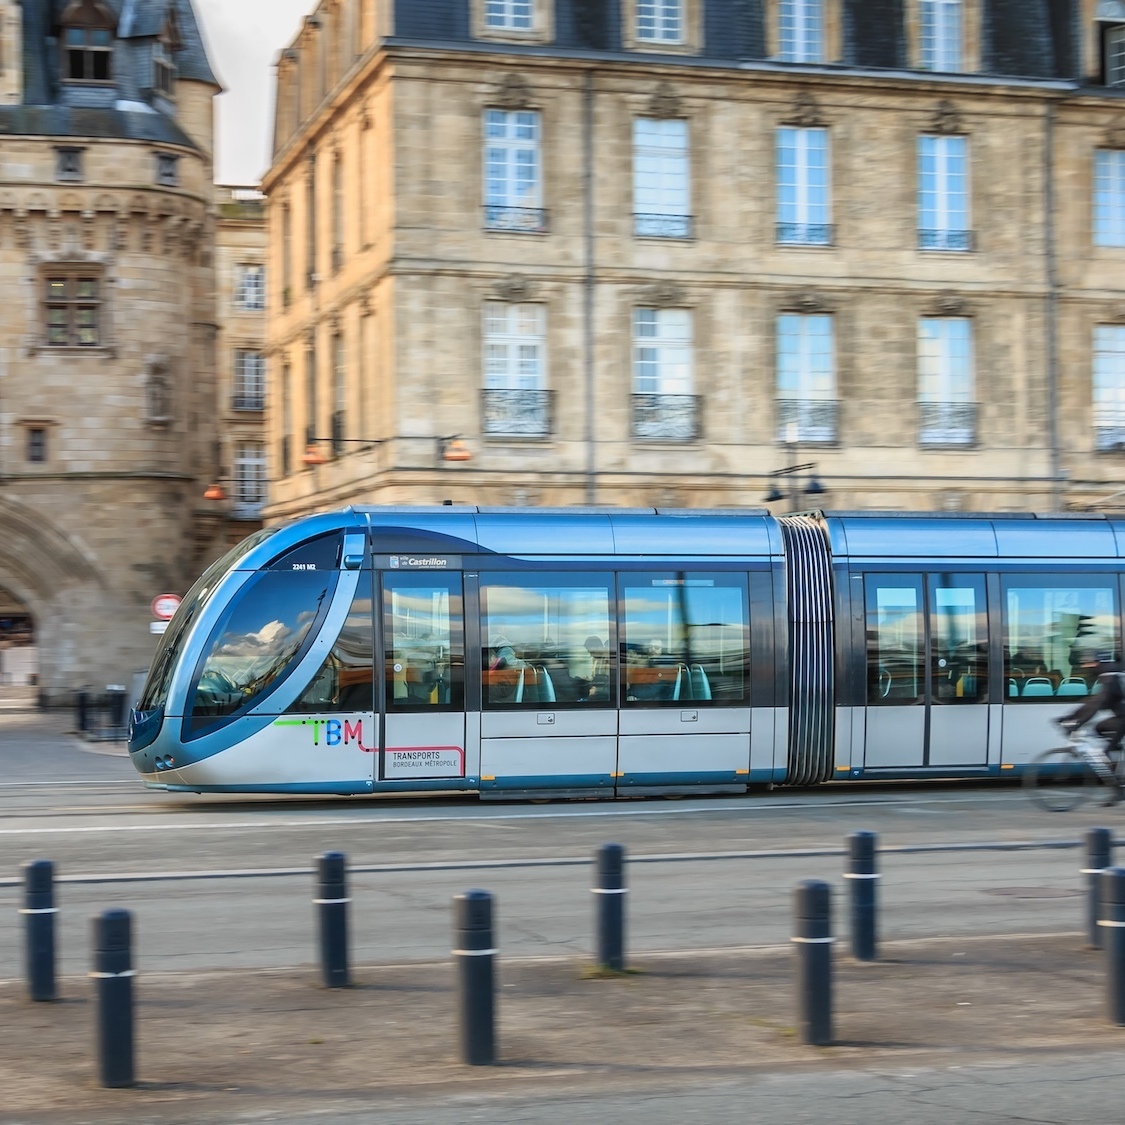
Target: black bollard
{"points": [[474, 952], [813, 923], [113, 977], [863, 880], [1099, 856], [1113, 922], [332, 908], [609, 906], [39, 912], [82, 708]]}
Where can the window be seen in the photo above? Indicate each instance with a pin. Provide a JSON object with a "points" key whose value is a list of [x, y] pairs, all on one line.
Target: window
{"points": [[425, 661], [664, 407], [1113, 39], [547, 639], [1109, 197], [685, 637], [286, 254], [249, 474], [800, 31], [508, 15], [73, 310], [945, 381], [660, 21], [68, 165], [661, 178], [940, 35], [513, 192], [345, 681], [1053, 625], [312, 276], [163, 68], [943, 194], [88, 54], [250, 288], [36, 445], [311, 403], [337, 213], [249, 380], [1109, 386], [804, 213], [515, 397], [167, 169], [339, 393], [806, 378]]}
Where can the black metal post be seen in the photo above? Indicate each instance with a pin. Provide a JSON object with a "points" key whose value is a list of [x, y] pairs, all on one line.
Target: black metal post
{"points": [[1099, 856], [39, 912], [113, 979], [82, 707], [863, 879], [609, 906], [813, 939], [1113, 922], [332, 911], [474, 954]]}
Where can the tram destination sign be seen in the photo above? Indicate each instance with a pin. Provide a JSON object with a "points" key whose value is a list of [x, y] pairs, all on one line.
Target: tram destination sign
{"points": [[418, 562]]}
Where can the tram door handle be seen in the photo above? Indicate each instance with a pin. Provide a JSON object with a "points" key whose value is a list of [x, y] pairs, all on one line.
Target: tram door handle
{"points": [[545, 720], [689, 716]]}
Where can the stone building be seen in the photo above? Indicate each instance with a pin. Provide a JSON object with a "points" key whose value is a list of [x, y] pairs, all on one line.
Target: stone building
{"points": [[240, 272], [662, 252], [108, 425]]}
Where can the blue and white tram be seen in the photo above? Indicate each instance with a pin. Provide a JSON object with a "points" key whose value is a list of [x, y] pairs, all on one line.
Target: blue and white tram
{"points": [[602, 653]]}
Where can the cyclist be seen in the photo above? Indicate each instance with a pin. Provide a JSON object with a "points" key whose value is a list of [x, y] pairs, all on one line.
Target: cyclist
{"points": [[1107, 694]]}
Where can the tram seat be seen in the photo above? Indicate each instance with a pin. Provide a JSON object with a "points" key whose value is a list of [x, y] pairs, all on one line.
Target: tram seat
{"points": [[700, 686], [544, 686], [1038, 686], [1013, 688], [1073, 685]]}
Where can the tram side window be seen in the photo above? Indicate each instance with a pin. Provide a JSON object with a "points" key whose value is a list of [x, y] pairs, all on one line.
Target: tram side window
{"points": [[895, 640], [1055, 629], [546, 640], [685, 638], [345, 681], [425, 658], [259, 640]]}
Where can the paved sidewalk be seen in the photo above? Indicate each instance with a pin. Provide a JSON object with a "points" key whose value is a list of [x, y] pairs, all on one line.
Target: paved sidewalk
{"points": [[274, 1046]]}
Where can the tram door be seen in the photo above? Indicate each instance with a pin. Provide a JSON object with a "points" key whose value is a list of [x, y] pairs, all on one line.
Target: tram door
{"points": [[423, 732], [927, 671]]}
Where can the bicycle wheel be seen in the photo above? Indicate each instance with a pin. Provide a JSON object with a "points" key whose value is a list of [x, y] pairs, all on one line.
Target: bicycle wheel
{"points": [[1060, 780]]}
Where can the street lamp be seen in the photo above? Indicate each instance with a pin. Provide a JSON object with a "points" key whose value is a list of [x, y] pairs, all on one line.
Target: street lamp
{"points": [[788, 483]]}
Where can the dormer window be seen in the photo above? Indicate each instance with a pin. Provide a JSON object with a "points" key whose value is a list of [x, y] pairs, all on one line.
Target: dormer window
{"points": [[87, 36], [163, 68], [1111, 24], [508, 15]]}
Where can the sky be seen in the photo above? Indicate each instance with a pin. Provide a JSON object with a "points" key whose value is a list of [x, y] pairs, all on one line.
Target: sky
{"points": [[243, 40]]}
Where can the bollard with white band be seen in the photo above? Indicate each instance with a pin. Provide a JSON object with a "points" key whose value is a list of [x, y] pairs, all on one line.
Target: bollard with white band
{"points": [[813, 941], [113, 985], [862, 880], [332, 912], [1112, 923], [474, 954], [39, 912], [1099, 857], [609, 906]]}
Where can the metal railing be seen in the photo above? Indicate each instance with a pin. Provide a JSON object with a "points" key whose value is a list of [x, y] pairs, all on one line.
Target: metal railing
{"points": [[808, 421], [1109, 429], [522, 220], [664, 226], [256, 401], [947, 423], [805, 234], [658, 417], [960, 241], [517, 411]]}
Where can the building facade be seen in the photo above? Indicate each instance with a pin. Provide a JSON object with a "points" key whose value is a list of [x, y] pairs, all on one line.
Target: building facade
{"points": [[688, 252], [108, 425]]}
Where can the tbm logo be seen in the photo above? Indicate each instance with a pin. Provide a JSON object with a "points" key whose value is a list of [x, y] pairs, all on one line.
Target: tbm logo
{"points": [[338, 732]]}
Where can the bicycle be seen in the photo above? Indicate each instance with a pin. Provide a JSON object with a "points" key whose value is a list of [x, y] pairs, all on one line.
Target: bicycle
{"points": [[1064, 777]]}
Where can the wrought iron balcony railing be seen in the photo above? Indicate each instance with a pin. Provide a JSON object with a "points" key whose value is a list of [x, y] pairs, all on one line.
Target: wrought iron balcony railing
{"points": [[947, 423], [244, 401], [664, 226], [809, 421], [522, 220], [517, 411], [959, 241], [1109, 429], [247, 509], [658, 417], [805, 234]]}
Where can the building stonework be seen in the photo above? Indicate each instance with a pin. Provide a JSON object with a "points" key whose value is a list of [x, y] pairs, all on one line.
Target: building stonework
{"points": [[953, 259], [107, 329]]}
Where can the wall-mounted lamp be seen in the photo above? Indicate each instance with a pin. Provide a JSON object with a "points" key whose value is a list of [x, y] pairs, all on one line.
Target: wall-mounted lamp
{"points": [[215, 490], [452, 448], [313, 456]]}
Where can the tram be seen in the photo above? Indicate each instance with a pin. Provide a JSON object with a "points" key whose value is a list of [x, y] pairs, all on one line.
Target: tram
{"points": [[626, 653]]}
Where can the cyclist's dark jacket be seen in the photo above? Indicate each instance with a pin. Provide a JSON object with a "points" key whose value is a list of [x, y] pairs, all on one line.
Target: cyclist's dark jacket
{"points": [[1108, 695]]}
